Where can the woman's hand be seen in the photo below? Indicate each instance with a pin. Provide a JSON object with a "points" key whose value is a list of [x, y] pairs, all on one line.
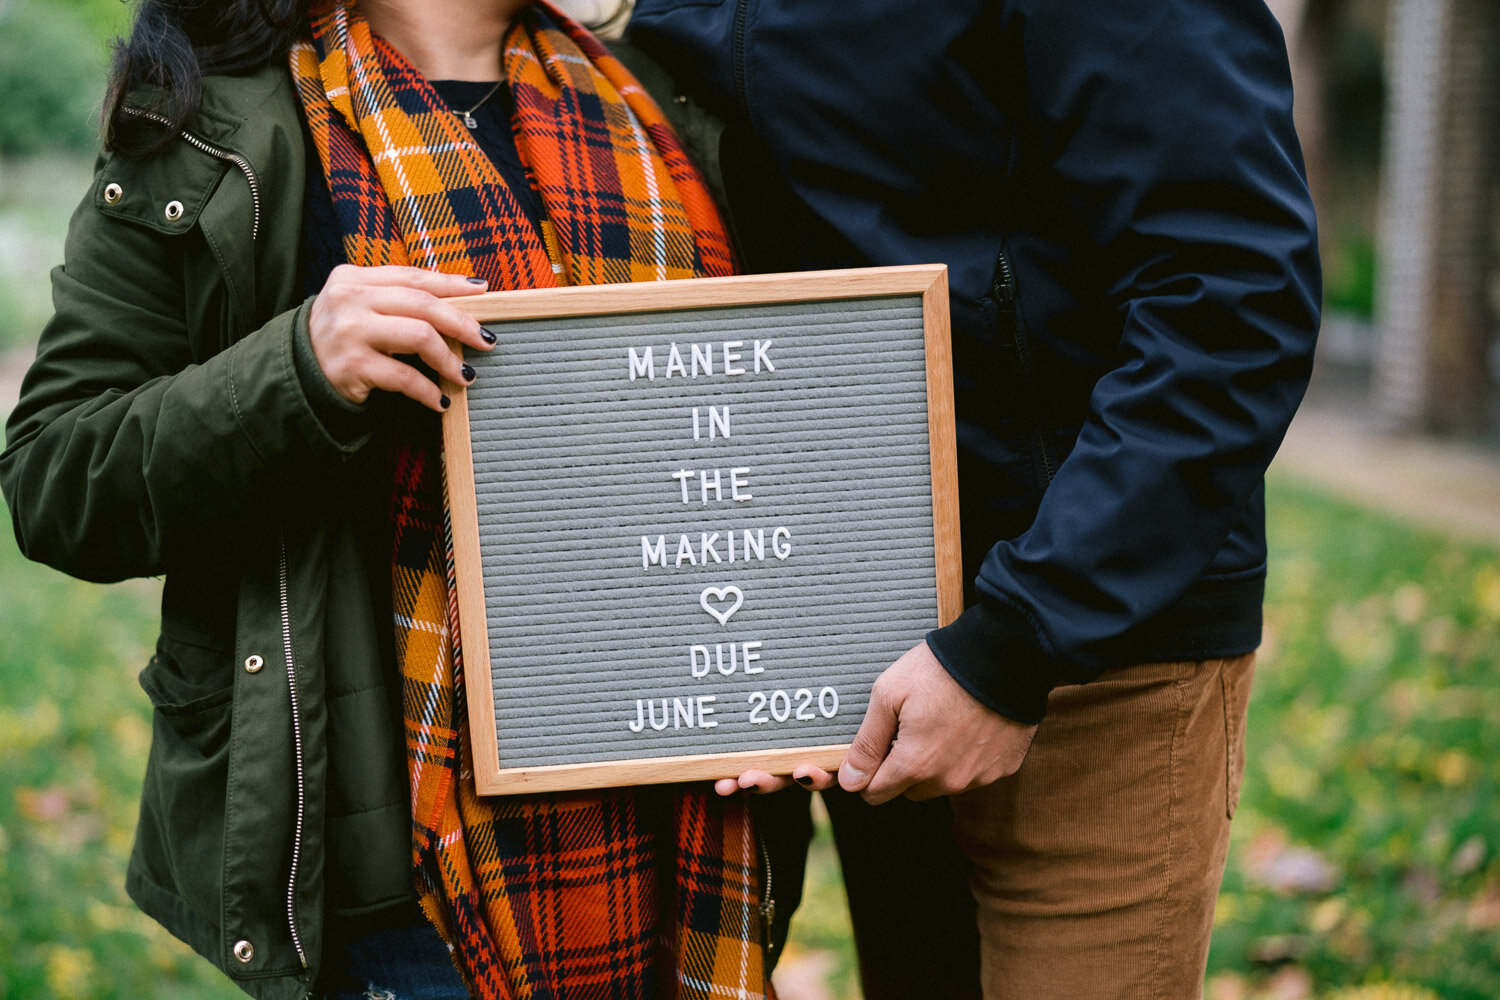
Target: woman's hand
{"points": [[364, 316], [762, 782]]}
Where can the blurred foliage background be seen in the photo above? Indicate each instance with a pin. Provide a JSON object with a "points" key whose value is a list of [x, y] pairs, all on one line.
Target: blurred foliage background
{"points": [[52, 58], [1364, 863]]}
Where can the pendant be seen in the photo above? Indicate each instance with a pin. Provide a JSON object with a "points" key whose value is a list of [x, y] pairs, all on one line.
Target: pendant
{"points": [[470, 121]]}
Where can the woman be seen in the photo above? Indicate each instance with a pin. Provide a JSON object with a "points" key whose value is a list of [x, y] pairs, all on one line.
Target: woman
{"points": [[237, 393]]}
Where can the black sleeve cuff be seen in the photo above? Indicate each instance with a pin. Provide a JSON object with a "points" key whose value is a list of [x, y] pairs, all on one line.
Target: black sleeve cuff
{"points": [[992, 652]]}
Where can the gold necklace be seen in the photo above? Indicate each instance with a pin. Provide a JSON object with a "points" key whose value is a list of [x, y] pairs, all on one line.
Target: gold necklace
{"points": [[468, 116]]}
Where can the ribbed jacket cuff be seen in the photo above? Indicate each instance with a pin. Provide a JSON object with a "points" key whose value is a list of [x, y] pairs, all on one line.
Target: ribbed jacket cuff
{"points": [[992, 653]]}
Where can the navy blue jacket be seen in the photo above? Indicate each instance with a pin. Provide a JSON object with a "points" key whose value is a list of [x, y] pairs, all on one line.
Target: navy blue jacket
{"points": [[1119, 196]]}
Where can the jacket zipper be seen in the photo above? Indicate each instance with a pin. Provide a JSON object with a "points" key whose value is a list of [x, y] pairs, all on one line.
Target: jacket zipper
{"points": [[767, 901], [1005, 295], [220, 154], [741, 19], [291, 680]]}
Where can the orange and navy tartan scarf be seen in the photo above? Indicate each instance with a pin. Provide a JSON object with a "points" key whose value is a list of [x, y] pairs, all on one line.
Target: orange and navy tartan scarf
{"points": [[647, 892]]}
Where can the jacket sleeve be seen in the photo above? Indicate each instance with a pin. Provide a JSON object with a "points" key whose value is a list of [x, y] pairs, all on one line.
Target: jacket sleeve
{"points": [[128, 444], [1157, 136]]}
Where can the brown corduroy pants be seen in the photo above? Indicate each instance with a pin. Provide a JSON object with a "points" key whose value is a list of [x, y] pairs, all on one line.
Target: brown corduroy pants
{"points": [[1097, 864]]}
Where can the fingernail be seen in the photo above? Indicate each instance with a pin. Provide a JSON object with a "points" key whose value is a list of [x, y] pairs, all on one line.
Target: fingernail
{"points": [[486, 336], [477, 281], [805, 780], [467, 371], [445, 402], [849, 775]]}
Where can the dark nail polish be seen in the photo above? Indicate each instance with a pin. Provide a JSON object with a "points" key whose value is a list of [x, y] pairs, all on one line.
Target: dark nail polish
{"points": [[486, 336], [467, 371], [477, 281], [445, 402], [805, 780]]}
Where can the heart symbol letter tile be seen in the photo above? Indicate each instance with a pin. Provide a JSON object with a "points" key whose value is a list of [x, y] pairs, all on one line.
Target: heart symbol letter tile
{"points": [[714, 596]]}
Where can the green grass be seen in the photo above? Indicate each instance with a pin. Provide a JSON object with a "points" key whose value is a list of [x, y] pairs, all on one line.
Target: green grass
{"points": [[74, 729], [1364, 865], [1365, 848]]}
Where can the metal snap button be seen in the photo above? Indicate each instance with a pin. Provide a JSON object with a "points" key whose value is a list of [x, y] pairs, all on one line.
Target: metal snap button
{"points": [[244, 951], [253, 663], [113, 193], [174, 211]]}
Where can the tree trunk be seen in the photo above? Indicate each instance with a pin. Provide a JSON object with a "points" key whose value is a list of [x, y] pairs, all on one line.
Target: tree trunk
{"points": [[1436, 239]]}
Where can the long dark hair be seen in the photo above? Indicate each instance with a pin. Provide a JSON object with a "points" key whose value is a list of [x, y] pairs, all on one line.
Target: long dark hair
{"points": [[173, 45]]}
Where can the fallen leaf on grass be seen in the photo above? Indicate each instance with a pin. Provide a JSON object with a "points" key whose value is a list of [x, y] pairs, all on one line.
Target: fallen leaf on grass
{"points": [[1484, 911], [1384, 991], [1227, 986], [70, 972], [1469, 856], [42, 805], [1290, 983], [1287, 868], [1422, 885], [1454, 768], [63, 817], [1409, 603]]}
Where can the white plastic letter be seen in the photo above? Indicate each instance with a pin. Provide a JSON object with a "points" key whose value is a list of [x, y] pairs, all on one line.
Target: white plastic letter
{"points": [[781, 543], [757, 542], [674, 363], [763, 355], [703, 486], [641, 365], [682, 476], [704, 354], [731, 355], [718, 421], [708, 545]]}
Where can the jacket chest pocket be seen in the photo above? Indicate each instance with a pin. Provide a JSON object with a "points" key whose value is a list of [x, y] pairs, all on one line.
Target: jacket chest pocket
{"points": [[163, 193]]}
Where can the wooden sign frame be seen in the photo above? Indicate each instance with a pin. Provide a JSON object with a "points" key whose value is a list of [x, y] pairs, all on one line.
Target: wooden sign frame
{"points": [[928, 281]]}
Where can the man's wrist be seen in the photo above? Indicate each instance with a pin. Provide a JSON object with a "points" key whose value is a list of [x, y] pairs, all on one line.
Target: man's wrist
{"points": [[992, 653]]}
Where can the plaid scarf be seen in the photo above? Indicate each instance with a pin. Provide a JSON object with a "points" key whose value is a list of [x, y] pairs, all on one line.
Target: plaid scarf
{"points": [[630, 893]]}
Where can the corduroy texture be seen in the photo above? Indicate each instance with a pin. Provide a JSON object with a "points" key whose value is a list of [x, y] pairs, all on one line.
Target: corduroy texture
{"points": [[626, 893]]}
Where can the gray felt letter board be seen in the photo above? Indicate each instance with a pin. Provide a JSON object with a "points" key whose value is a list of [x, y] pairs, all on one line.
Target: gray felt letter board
{"points": [[694, 520]]}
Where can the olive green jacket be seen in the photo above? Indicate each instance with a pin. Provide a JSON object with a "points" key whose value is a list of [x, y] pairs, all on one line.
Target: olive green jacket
{"points": [[163, 430]]}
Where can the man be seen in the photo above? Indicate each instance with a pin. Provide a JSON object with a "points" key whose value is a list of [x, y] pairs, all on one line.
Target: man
{"points": [[1119, 196]]}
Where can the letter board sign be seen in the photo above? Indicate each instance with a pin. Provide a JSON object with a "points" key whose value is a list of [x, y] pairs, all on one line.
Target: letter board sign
{"points": [[694, 520]]}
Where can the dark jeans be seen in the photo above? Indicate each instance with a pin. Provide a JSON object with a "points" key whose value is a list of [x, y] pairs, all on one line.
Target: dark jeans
{"points": [[396, 957], [908, 887]]}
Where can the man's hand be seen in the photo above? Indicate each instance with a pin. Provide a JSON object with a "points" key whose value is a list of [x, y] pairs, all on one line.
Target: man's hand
{"points": [[924, 736]]}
